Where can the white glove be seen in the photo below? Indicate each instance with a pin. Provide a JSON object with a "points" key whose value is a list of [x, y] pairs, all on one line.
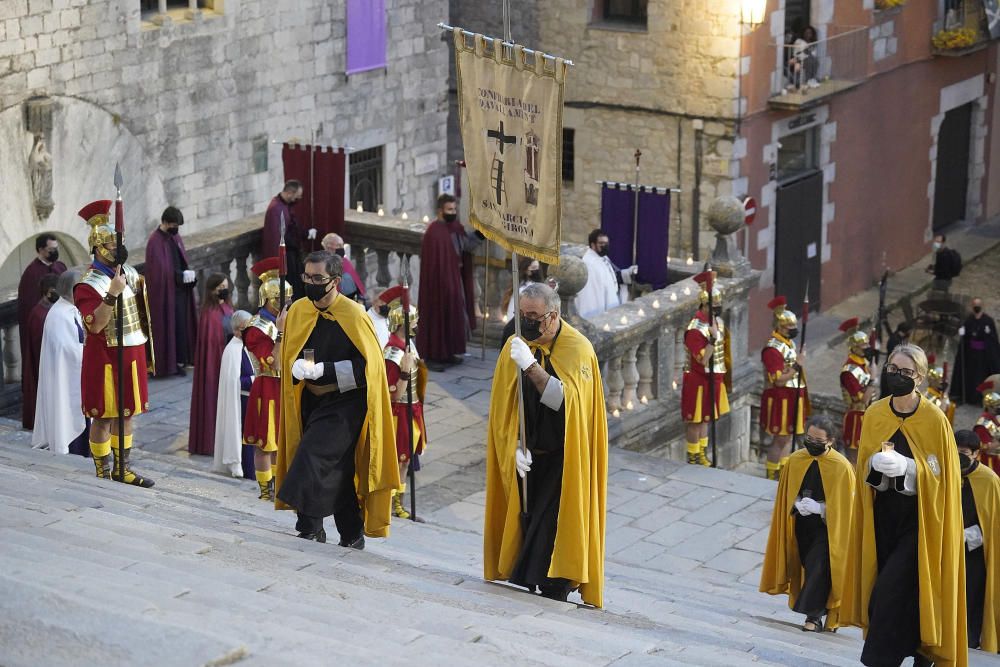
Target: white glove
{"points": [[311, 234], [522, 459], [961, 331], [303, 370], [634, 269], [189, 276], [973, 538], [521, 354], [890, 464], [807, 506]]}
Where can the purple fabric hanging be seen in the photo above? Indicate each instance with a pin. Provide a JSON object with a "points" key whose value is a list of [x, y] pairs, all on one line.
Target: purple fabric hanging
{"points": [[617, 210], [654, 238], [365, 35]]}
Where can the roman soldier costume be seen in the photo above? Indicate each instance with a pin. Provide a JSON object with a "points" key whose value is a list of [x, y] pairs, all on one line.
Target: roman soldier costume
{"points": [[784, 404], [988, 426], [399, 391], [99, 375], [695, 395], [260, 428], [937, 388], [855, 379]]}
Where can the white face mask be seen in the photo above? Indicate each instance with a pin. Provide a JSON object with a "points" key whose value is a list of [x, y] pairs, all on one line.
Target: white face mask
{"points": [[936, 246]]}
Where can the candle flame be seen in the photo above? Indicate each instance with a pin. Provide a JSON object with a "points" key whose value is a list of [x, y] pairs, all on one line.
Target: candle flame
{"points": [[623, 320], [629, 406], [404, 216], [381, 211], [606, 327], [504, 318], [642, 313], [690, 260], [687, 291], [427, 218], [616, 413], [360, 208], [656, 303], [675, 385], [644, 400], [673, 296]]}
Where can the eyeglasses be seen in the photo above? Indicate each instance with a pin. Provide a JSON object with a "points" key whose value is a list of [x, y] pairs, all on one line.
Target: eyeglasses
{"points": [[537, 319], [317, 279], [905, 372]]}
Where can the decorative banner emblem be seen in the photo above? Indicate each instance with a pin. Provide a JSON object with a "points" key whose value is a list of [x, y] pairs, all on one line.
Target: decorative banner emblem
{"points": [[511, 117]]}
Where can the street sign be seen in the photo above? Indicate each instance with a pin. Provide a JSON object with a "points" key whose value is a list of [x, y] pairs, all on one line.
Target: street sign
{"points": [[446, 185], [750, 210]]}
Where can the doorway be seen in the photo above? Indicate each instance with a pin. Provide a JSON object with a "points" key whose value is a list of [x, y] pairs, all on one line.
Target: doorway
{"points": [[951, 183], [798, 241]]}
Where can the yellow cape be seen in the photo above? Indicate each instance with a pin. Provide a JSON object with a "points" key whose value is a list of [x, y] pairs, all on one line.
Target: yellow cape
{"points": [[578, 553], [986, 490], [940, 548], [783, 572], [376, 471]]}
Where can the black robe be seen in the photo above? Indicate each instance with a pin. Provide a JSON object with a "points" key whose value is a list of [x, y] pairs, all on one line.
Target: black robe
{"points": [[977, 358], [814, 548], [320, 479], [975, 566]]}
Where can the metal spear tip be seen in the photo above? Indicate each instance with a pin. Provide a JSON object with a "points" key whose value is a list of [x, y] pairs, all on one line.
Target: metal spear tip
{"points": [[119, 181]]}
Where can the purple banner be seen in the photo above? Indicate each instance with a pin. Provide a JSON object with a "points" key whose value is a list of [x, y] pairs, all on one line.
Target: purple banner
{"points": [[617, 221], [365, 35]]}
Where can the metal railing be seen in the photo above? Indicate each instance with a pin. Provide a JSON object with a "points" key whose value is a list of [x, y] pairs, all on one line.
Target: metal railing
{"points": [[843, 56]]}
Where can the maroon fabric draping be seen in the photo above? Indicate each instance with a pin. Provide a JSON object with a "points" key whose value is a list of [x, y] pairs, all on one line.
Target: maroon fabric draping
{"points": [[162, 286], [29, 362], [328, 204], [28, 293], [205, 388], [443, 314], [295, 160]]}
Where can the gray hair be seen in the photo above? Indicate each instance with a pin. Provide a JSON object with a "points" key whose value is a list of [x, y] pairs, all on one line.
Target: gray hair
{"points": [[67, 281], [239, 320], [543, 292], [824, 423]]}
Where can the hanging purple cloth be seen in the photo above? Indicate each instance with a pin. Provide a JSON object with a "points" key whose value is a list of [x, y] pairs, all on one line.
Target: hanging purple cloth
{"points": [[654, 238], [365, 35], [617, 211]]}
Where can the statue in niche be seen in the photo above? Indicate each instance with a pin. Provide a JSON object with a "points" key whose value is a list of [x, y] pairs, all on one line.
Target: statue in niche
{"points": [[40, 166]]}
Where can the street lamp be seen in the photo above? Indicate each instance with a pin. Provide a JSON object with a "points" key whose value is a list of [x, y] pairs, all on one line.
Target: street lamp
{"points": [[752, 12], [751, 15]]}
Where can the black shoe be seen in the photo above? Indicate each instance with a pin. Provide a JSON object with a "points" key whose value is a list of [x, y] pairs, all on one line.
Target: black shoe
{"points": [[920, 660], [436, 366], [456, 359], [357, 543], [318, 536], [560, 593], [181, 371]]}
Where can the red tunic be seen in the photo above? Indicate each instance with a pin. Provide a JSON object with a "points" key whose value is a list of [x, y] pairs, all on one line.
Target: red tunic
{"points": [[694, 387], [988, 442], [399, 411], [777, 404], [99, 375], [852, 418], [32, 333], [260, 427]]}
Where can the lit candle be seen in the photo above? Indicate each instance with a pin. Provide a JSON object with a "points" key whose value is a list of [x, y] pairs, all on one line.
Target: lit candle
{"points": [[360, 208], [629, 406], [427, 218], [381, 211], [656, 303], [606, 327], [642, 313], [644, 400], [623, 320], [404, 216], [673, 296], [486, 316], [687, 291], [504, 318], [690, 260], [616, 413], [675, 385]]}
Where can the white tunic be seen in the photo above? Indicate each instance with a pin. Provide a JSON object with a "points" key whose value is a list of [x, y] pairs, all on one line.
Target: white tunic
{"points": [[229, 413], [58, 413], [381, 327], [602, 291]]}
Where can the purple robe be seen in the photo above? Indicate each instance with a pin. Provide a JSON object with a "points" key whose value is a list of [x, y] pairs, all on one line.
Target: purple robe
{"points": [[171, 302], [29, 362], [28, 293]]}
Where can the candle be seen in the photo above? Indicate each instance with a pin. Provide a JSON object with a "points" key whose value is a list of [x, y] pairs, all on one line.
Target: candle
{"points": [[616, 413], [644, 400], [623, 320], [687, 291], [642, 313], [629, 406], [673, 296], [427, 218], [690, 260], [656, 303], [606, 327], [404, 216]]}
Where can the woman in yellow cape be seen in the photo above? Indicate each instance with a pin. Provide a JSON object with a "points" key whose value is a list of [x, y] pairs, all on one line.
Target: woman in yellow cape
{"points": [[905, 564], [376, 474], [813, 580], [578, 550]]}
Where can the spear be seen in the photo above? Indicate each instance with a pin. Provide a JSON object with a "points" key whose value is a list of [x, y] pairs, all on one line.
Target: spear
{"points": [[120, 319], [282, 264], [798, 369], [709, 285], [409, 393]]}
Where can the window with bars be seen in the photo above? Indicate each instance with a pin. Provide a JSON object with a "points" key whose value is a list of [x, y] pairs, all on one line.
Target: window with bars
{"points": [[568, 154], [153, 6], [366, 178]]}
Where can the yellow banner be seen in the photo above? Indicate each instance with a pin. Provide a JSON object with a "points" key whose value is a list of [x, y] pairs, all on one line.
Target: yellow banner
{"points": [[511, 115]]}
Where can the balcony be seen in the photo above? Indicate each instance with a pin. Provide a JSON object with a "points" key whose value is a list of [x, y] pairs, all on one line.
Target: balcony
{"points": [[812, 72], [964, 29]]}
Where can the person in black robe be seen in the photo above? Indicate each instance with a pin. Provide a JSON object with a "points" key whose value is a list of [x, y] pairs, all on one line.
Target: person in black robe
{"points": [[975, 558], [978, 355]]}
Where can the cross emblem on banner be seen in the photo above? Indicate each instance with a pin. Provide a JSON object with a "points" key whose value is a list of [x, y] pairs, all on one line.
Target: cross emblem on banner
{"points": [[501, 138]]}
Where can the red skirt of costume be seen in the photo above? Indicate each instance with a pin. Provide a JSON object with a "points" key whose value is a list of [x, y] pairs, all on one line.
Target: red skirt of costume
{"points": [[777, 408], [695, 399], [260, 428], [99, 379], [403, 433], [852, 428]]}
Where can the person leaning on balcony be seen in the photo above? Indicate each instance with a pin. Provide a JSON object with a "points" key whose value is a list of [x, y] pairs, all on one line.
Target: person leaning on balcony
{"points": [[906, 560], [804, 64]]}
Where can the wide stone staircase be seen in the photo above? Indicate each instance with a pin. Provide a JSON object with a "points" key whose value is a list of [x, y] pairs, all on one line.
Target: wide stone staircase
{"points": [[198, 572]]}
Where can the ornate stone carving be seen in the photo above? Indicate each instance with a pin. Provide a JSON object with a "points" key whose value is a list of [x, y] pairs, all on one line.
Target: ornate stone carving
{"points": [[38, 119]]}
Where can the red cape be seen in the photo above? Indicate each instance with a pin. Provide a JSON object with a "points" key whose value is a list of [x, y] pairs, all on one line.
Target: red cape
{"points": [[29, 362], [28, 293], [161, 286], [205, 388], [444, 295]]}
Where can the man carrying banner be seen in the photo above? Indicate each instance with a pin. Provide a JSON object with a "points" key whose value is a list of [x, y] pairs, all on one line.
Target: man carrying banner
{"points": [[96, 297], [559, 545], [784, 404], [706, 343]]}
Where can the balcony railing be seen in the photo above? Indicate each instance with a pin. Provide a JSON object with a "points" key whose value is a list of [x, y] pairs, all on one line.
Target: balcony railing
{"points": [[963, 30], [813, 71]]}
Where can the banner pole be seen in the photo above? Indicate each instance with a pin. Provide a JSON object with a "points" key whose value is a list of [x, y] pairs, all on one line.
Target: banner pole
{"points": [[635, 212], [486, 295]]}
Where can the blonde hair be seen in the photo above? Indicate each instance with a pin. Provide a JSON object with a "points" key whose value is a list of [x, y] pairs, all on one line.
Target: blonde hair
{"points": [[914, 353]]}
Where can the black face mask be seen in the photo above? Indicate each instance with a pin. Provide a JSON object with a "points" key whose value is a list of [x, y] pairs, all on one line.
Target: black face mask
{"points": [[530, 329], [317, 292], [339, 251], [383, 310], [869, 353], [815, 447], [899, 385], [792, 333], [535, 276], [450, 217], [223, 294], [602, 250], [53, 255], [977, 309], [52, 297], [173, 231], [964, 463]]}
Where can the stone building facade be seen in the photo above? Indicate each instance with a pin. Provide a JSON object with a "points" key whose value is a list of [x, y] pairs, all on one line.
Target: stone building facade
{"points": [[194, 105]]}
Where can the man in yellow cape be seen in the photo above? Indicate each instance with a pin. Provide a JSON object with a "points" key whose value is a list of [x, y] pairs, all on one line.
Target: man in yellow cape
{"points": [[559, 545], [914, 513], [981, 514], [336, 442], [810, 528]]}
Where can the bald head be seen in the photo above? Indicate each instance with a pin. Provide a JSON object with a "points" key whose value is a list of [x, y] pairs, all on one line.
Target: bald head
{"points": [[331, 242]]}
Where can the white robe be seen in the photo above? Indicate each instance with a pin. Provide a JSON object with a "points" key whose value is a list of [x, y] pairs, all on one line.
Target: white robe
{"points": [[602, 291], [58, 414], [229, 413], [381, 327]]}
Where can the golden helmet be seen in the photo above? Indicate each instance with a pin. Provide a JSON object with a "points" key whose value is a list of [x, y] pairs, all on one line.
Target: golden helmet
{"points": [[707, 279], [991, 399], [393, 297], [98, 216], [782, 316], [267, 270], [935, 373], [856, 339]]}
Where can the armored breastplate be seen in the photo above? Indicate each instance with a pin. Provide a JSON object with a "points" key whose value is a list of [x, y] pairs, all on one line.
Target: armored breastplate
{"points": [[263, 368], [719, 355], [991, 426], [398, 391], [787, 351], [863, 377], [132, 324]]}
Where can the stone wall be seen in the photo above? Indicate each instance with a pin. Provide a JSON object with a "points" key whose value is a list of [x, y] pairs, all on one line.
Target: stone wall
{"points": [[183, 105]]}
